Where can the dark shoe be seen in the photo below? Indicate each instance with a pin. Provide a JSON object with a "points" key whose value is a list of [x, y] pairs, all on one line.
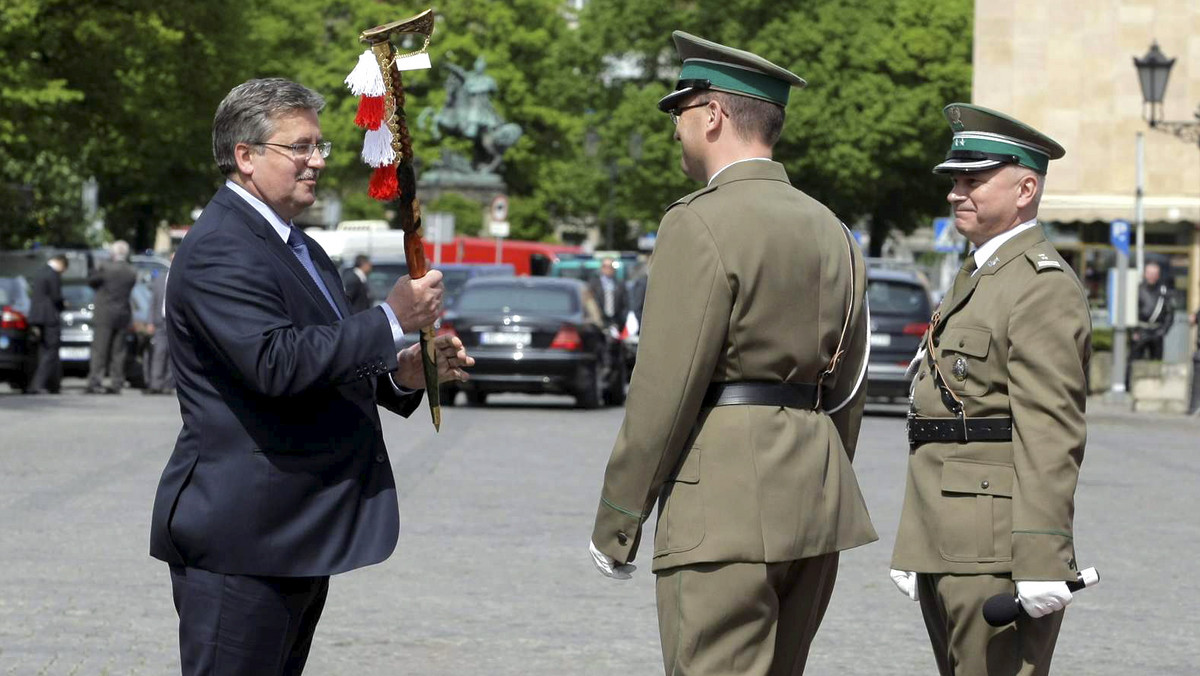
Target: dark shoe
{"points": [[152, 390], [37, 391], [93, 390], [112, 390]]}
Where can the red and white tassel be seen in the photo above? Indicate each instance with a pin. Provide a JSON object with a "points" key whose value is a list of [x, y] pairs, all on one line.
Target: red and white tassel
{"points": [[370, 112], [377, 147], [366, 79], [383, 185]]}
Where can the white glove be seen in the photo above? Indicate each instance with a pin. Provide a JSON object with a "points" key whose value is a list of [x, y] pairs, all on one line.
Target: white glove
{"points": [[607, 565], [906, 582], [1042, 597]]}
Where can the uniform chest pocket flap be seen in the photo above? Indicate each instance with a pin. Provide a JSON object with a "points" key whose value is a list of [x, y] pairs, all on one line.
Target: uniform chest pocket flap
{"points": [[977, 478], [966, 340]]}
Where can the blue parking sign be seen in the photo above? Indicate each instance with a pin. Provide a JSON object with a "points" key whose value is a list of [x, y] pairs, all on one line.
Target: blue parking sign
{"points": [[1118, 236]]}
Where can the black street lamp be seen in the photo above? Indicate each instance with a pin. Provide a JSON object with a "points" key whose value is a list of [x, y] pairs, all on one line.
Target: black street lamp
{"points": [[1154, 69]]}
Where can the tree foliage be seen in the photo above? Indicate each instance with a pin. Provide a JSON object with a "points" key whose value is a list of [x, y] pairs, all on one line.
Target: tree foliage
{"points": [[125, 91]]}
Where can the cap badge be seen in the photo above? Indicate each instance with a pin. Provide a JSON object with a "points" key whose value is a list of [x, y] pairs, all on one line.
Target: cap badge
{"points": [[960, 369], [955, 116]]}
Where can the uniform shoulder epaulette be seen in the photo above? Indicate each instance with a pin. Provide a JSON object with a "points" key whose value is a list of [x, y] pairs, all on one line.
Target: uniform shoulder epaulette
{"points": [[688, 199], [1044, 258]]}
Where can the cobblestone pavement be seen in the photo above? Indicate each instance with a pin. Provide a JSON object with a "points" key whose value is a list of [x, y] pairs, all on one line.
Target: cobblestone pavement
{"points": [[492, 574]]}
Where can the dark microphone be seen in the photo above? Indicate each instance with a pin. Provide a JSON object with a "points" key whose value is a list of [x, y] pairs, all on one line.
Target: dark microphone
{"points": [[1002, 609]]}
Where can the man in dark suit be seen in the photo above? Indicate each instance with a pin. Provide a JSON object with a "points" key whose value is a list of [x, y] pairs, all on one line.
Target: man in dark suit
{"points": [[113, 282], [47, 303], [358, 292], [610, 295], [279, 477]]}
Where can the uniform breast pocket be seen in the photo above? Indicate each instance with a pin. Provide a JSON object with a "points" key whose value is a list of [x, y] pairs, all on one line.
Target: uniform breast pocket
{"points": [[975, 511], [681, 509], [963, 359]]}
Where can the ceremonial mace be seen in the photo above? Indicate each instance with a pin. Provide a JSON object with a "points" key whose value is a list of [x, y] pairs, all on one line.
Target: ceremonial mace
{"points": [[387, 147]]}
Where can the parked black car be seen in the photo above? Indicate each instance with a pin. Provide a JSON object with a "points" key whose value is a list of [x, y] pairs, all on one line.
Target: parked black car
{"points": [[18, 352], [898, 296], [535, 335]]}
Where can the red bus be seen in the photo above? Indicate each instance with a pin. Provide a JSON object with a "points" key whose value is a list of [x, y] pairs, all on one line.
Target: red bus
{"points": [[528, 258]]}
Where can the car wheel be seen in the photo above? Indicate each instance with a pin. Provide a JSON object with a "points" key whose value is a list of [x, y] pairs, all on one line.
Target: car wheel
{"points": [[592, 394], [614, 394], [446, 394], [477, 398]]}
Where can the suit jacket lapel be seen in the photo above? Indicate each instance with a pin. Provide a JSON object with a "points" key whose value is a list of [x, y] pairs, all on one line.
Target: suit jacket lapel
{"points": [[260, 227]]}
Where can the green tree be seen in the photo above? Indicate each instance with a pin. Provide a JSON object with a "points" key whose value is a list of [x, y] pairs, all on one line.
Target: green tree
{"points": [[861, 137]]}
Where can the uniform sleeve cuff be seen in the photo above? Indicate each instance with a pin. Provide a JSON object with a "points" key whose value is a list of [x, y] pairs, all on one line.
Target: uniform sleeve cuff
{"points": [[617, 531], [1043, 555]]}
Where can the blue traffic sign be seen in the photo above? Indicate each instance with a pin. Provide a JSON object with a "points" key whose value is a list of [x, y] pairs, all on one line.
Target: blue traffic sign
{"points": [[943, 236], [1118, 236]]}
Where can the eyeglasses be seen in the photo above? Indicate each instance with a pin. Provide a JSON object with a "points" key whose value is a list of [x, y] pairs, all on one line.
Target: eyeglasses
{"points": [[303, 151], [676, 112]]}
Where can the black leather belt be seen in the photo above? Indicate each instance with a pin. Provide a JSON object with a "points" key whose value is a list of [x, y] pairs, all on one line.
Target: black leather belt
{"points": [[922, 430], [788, 395]]}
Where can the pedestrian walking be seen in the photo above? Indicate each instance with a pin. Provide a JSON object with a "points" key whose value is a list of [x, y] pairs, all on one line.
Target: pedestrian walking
{"points": [[358, 291], [744, 409], [996, 428]]}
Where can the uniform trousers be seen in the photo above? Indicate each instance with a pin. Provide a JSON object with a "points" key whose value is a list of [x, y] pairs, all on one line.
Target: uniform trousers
{"points": [[964, 644], [245, 625], [751, 619]]}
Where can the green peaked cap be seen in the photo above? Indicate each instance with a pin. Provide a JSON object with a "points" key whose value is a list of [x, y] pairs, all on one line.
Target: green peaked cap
{"points": [[984, 139], [714, 67]]}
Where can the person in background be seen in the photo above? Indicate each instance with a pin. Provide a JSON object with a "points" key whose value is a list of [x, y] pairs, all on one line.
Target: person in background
{"points": [[1156, 310], [47, 303], [160, 380], [358, 292], [113, 281]]}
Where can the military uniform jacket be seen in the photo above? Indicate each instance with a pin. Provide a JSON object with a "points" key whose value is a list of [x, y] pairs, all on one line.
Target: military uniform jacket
{"points": [[751, 281], [1015, 341]]}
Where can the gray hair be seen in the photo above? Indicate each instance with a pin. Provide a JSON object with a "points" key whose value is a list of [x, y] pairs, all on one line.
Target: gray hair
{"points": [[249, 112], [119, 250]]}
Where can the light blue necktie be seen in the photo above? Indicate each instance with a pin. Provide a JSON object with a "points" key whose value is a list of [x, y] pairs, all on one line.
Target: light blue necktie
{"points": [[296, 242]]}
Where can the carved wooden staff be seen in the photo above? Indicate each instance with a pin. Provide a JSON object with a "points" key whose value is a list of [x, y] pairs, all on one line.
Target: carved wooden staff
{"points": [[389, 139]]}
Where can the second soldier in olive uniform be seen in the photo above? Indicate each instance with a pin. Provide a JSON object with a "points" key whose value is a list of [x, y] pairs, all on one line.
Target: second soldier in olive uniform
{"points": [[997, 423], [744, 408]]}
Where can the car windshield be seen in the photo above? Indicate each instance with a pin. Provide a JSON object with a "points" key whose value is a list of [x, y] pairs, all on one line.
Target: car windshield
{"points": [[76, 296], [888, 297], [518, 299], [12, 294], [382, 277]]}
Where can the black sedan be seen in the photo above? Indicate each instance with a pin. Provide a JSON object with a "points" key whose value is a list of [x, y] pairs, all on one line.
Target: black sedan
{"points": [[535, 335], [18, 353], [898, 296]]}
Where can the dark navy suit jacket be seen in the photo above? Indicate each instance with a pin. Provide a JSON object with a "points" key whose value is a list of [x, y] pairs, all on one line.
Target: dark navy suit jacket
{"points": [[280, 468]]}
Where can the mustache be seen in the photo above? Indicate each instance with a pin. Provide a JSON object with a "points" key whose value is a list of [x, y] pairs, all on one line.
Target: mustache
{"points": [[309, 175]]}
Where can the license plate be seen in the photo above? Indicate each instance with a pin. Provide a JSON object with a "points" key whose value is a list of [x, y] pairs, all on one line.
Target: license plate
{"points": [[881, 340], [74, 353], [504, 338]]}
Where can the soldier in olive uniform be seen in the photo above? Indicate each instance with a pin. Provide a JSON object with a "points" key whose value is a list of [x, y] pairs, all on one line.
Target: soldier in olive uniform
{"points": [[745, 405], [996, 429]]}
